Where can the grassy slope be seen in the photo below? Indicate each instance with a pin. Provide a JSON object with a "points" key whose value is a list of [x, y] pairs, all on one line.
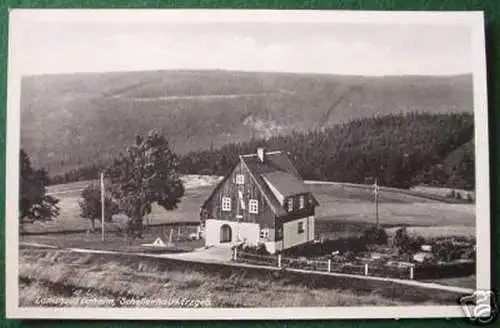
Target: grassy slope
{"points": [[341, 208], [72, 120], [466, 282], [43, 273]]}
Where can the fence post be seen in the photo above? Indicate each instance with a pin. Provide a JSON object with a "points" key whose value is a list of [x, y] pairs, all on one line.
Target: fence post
{"points": [[235, 254], [366, 269], [329, 265], [411, 272], [279, 260]]}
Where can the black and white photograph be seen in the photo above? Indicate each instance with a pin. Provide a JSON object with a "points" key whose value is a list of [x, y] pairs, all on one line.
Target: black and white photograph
{"points": [[234, 164]]}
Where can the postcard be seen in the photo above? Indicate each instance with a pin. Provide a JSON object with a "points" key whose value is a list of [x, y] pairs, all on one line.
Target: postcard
{"points": [[247, 164]]}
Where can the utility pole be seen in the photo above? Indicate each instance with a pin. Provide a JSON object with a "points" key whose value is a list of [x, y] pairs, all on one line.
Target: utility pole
{"points": [[375, 191], [102, 205]]}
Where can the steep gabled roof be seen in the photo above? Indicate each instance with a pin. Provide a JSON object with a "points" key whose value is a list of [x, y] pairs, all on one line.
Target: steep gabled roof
{"points": [[274, 161], [278, 170]]}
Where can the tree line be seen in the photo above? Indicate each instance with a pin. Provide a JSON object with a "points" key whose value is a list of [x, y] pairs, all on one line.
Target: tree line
{"points": [[399, 150]]}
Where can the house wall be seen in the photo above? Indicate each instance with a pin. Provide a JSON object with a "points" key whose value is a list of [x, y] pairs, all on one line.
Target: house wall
{"points": [[291, 236], [241, 231], [250, 190], [307, 211], [311, 229]]}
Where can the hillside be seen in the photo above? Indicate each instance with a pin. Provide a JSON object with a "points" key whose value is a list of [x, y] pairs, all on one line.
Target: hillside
{"points": [[400, 150], [72, 120], [456, 170], [397, 149]]}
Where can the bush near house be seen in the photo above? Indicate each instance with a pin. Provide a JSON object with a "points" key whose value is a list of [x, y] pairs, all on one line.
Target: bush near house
{"points": [[260, 249], [375, 235], [406, 243], [448, 257]]}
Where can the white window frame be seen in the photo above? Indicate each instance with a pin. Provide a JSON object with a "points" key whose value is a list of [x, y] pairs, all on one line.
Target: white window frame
{"points": [[301, 202], [253, 206], [226, 204], [264, 233], [240, 179], [290, 204]]}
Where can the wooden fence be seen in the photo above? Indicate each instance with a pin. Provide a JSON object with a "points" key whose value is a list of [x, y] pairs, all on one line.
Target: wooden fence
{"points": [[389, 271]]}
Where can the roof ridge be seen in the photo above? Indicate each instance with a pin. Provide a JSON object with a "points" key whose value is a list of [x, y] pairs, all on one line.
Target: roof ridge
{"points": [[266, 153]]}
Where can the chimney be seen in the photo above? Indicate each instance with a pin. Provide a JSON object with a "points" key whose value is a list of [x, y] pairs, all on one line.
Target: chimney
{"points": [[260, 154]]}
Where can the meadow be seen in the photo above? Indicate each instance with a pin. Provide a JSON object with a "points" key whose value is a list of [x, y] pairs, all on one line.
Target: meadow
{"points": [[343, 209], [45, 273]]}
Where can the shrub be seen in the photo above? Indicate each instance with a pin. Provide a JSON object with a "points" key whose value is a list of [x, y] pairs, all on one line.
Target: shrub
{"points": [[375, 235], [406, 243], [259, 249]]}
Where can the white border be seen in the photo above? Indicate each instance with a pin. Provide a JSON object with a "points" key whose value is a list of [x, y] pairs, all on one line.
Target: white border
{"points": [[474, 20]]}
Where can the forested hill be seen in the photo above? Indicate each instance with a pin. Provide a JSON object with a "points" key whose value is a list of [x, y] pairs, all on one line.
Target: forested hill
{"points": [[400, 150], [69, 121]]}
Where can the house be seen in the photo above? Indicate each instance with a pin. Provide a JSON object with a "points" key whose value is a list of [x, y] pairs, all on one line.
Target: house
{"points": [[263, 199]]}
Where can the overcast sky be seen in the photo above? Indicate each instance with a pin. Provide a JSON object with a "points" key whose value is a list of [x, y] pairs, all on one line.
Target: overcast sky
{"points": [[361, 49]]}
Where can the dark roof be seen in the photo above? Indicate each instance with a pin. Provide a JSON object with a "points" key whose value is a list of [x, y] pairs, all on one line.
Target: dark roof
{"points": [[277, 168], [273, 161]]}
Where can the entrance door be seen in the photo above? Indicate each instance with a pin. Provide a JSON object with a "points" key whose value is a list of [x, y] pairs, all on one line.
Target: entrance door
{"points": [[225, 233]]}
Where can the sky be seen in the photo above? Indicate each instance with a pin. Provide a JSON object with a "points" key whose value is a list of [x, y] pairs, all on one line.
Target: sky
{"points": [[325, 47]]}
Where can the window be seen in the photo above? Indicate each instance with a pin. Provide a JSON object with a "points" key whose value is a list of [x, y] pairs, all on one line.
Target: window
{"points": [[264, 233], [253, 206], [240, 179], [226, 203], [300, 227], [301, 202], [290, 204]]}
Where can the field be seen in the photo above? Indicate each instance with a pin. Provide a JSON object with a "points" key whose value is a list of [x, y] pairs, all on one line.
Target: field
{"points": [[45, 274], [443, 192], [197, 189], [343, 209]]}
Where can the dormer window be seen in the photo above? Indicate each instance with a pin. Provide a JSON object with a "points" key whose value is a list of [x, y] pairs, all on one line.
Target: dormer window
{"points": [[240, 179], [290, 204], [301, 202]]}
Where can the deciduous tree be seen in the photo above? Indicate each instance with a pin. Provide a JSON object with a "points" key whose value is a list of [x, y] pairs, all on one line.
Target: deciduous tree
{"points": [[91, 208], [145, 174], [34, 203]]}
